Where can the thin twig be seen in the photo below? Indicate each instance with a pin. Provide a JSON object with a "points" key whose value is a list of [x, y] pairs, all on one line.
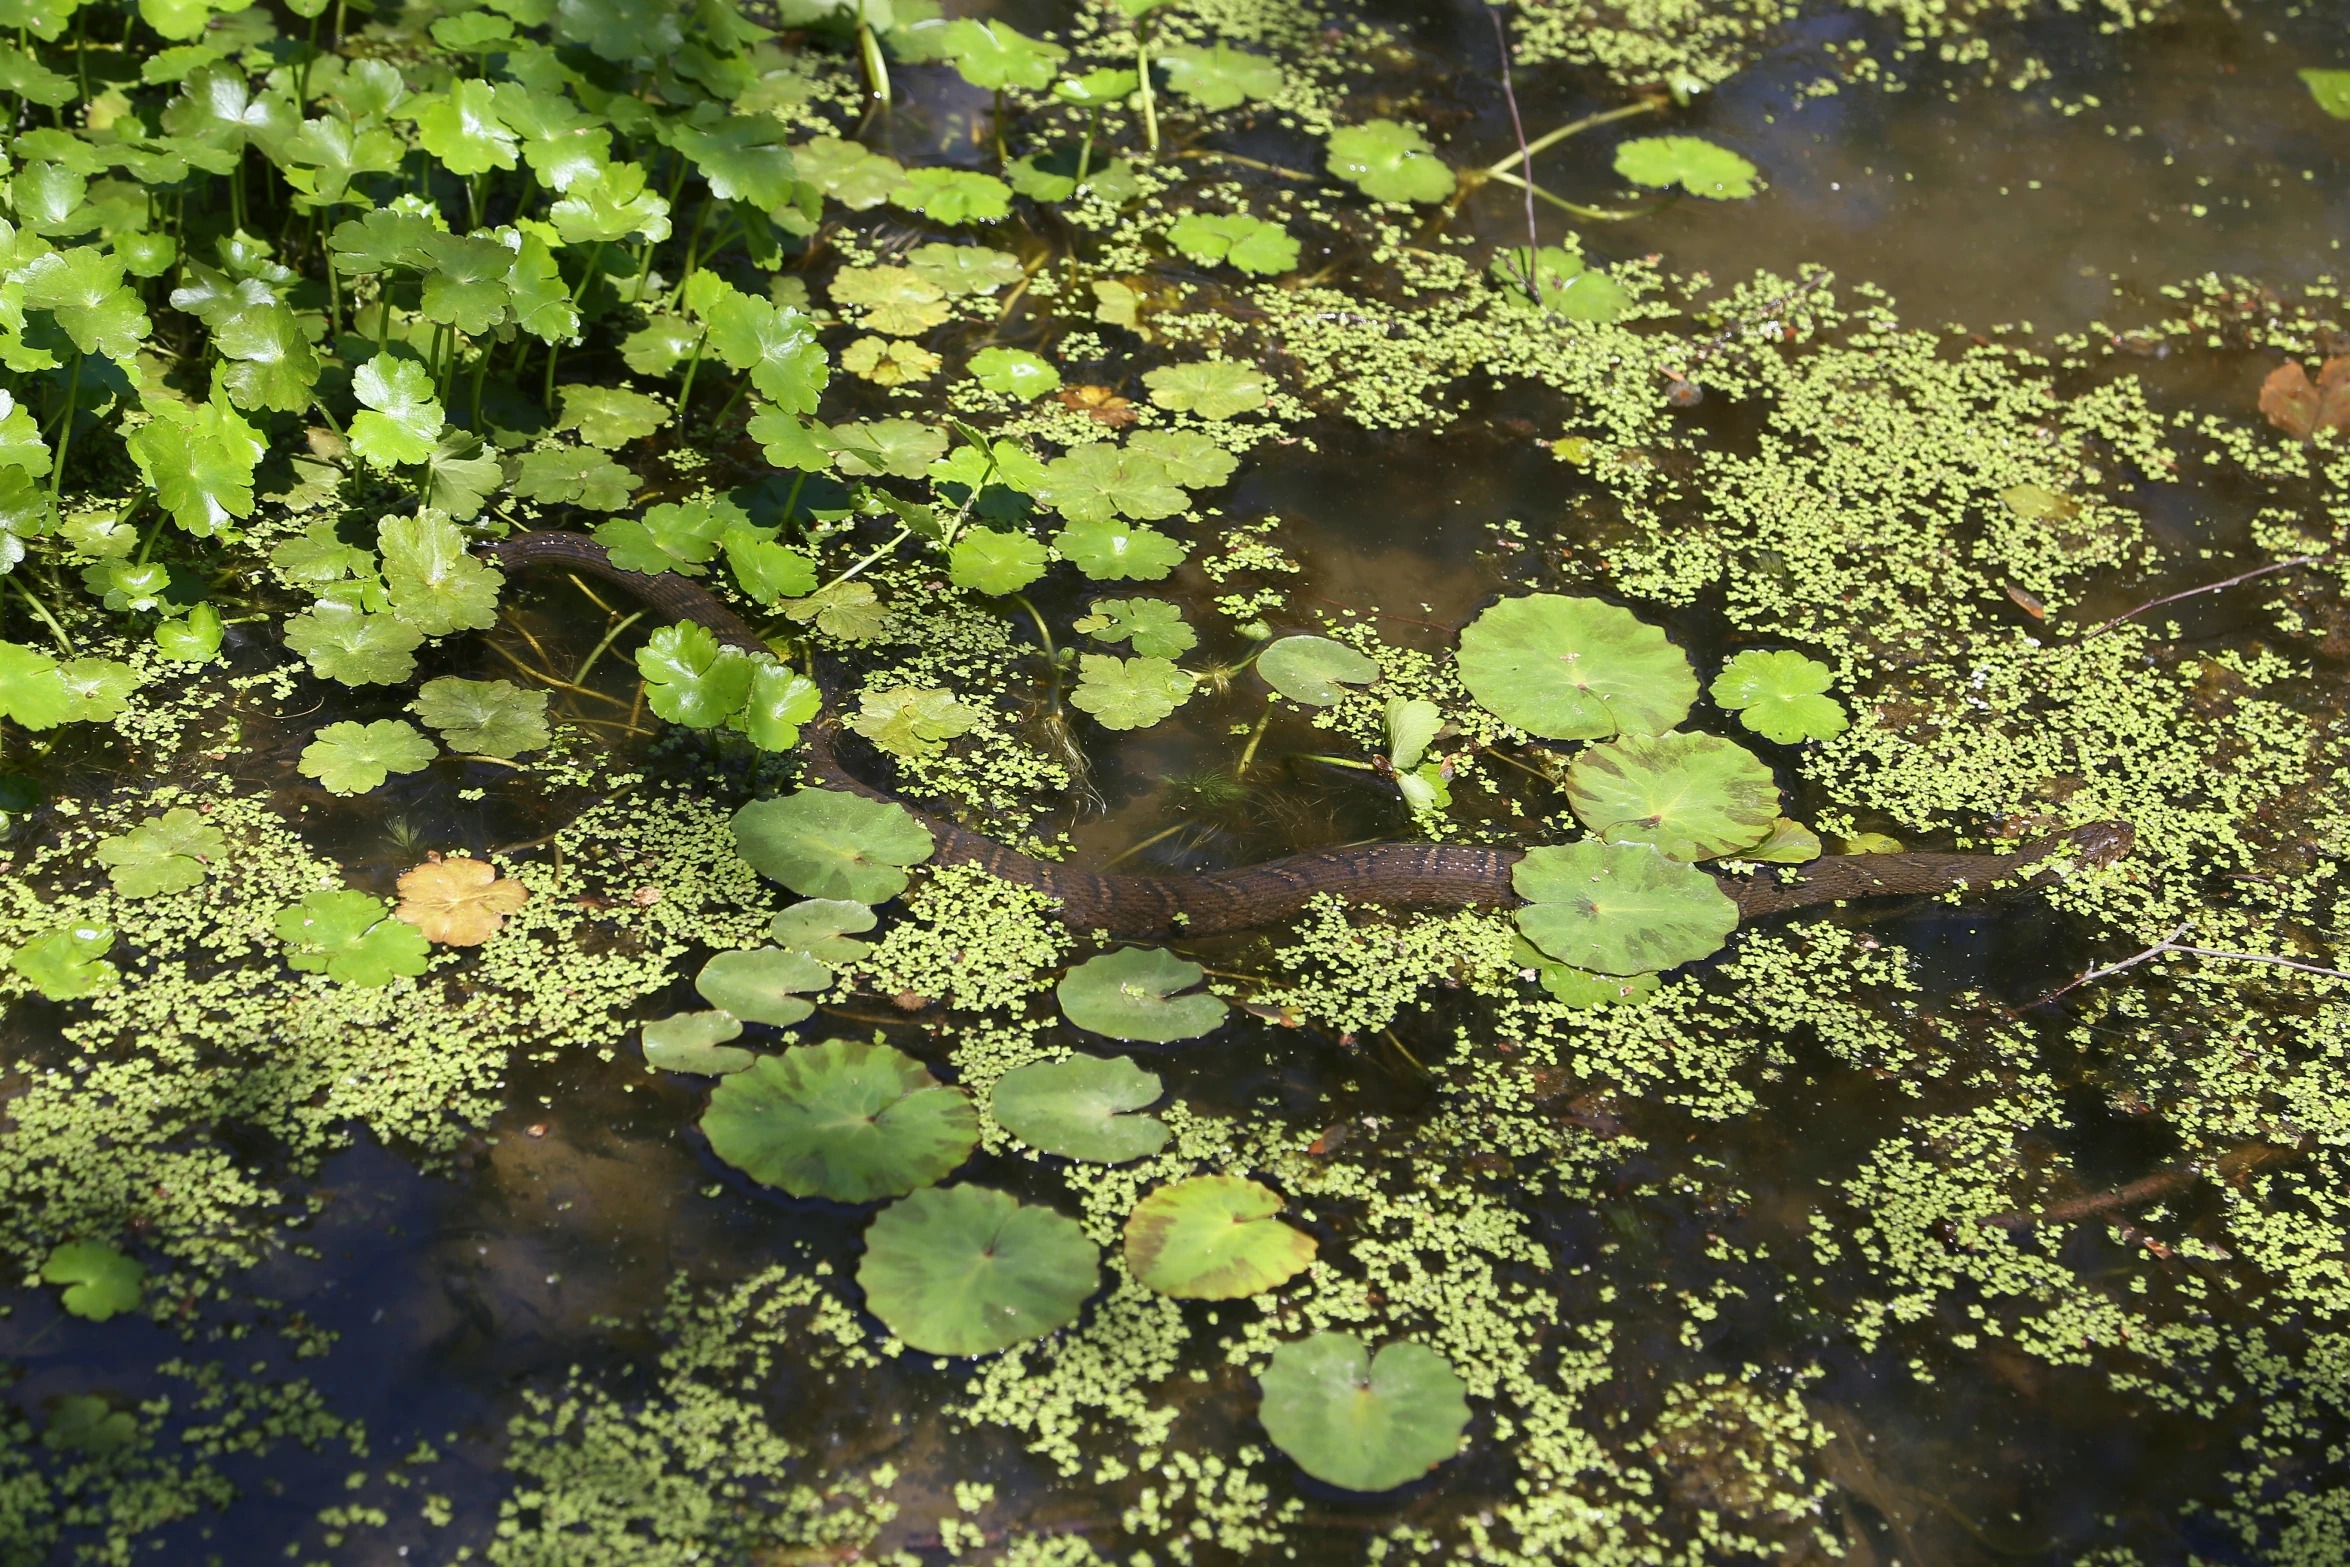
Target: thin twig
{"points": [[1509, 92], [1157, 837], [2254, 957], [2171, 943], [2210, 587], [2155, 951]]}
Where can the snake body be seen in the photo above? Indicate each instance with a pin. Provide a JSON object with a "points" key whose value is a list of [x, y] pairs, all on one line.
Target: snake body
{"points": [[1418, 875]]}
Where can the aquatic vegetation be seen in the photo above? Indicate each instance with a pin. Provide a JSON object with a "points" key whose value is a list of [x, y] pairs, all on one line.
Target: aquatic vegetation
{"points": [[458, 902], [99, 1281], [1574, 669], [962, 1270], [1314, 670], [1779, 696], [1214, 1237], [1620, 908], [822, 843], [1080, 1108], [1363, 1421], [1137, 993], [841, 1120], [696, 1042]]}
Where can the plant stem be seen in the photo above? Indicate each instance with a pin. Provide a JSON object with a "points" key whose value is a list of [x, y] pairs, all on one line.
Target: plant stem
{"points": [[869, 50], [41, 610], [1256, 737], [1526, 150], [1142, 68], [686, 394], [1577, 209], [73, 388], [610, 637]]}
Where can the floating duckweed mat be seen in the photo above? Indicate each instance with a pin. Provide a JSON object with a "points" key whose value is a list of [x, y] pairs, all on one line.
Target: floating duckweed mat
{"points": [[532, 534]]}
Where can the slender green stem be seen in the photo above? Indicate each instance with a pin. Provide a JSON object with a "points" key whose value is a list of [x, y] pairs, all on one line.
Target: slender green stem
{"points": [[1093, 123], [1577, 209], [997, 123], [876, 68], [1256, 738], [896, 539], [686, 393], [73, 389], [481, 368], [1042, 635], [147, 544], [598, 651], [1553, 138], [1142, 68], [741, 387], [693, 245], [41, 610], [791, 501]]}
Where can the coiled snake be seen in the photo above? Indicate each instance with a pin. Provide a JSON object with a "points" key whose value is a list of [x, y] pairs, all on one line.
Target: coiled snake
{"points": [[1419, 875]]}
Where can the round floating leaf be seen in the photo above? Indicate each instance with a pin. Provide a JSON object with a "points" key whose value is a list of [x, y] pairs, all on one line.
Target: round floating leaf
{"points": [[843, 1120], [1214, 1237], [962, 1270], [953, 195], [88, 1424], [2331, 90], [819, 928], [1563, 284], [69, 963], [696, 1042], [824, 843], [1222, 77], [1131, 994], [1579, 988], [100, 1281], [1154, 628], [1574, 669], [1314, 670], [1693, 796], [1013, 371], [167, 853], [1779, 696], [1073, 1108], [986, 561], [1620, 908], [484, 717], [1250, 244], [1108, 550], [1790, 843], [1130, 693], [757, 985], [965, 269], [1389, 161], [351, 937], [458, 902], [1366, 1423], [1696, 165], [1092, 483], [1212, 389], [355, 758]]}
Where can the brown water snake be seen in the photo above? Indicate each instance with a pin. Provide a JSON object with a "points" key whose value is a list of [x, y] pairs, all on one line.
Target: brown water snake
{"points": [[1415, 875]]}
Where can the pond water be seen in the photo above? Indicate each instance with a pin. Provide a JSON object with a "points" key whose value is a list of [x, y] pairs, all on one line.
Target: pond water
{"points": [[1715, 1267]]}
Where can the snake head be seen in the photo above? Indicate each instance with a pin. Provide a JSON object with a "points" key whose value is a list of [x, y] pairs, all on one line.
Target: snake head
{"points": [[2102, 843]]}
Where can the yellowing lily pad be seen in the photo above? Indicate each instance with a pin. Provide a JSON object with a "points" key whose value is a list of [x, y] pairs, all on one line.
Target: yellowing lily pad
{"points": [[1214, 1237]]}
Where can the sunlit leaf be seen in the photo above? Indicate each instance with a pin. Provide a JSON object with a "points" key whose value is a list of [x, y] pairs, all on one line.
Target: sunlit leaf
{"points": [[351, 758], [846, 610], [350, 645], [1214, 389], [68, 963], [380, 241], [953, 195], [1412, 725], [759, 985], [1092, 483], [401, 419], [435, 585], [765, 570], [1222, 77], [964, 269], [621, 29], [100, 1281], [742, 158], [1130, 693], [910, 721], [1077, 1108], [1013, 371], [986, 561], [2331, 90], [458, 902], [1154, 628], [194, 638], [690, 678], [847, 172], [896, 300], [1389, 161], [610, 416], [199, 457], [778, 347], [1314, 670], [994, 55], [1693, 796], [696, 1042], [1691, 162], [578, 474], [83, 289], [609, 206], [1236, 239], [167, 853], [1574, 668], [351, 938], [1780, 696], [1562, 284], [271, 365]]}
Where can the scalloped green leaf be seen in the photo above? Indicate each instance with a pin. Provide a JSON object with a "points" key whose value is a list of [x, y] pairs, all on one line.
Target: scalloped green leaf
{"points": [[691, 678], [484, 717], [168, 853], [1696, 165], [1246, 243], [1221, 77], [1212, 388], [352, 938], [1780, 696], [1014, 372], [1389, 161], [350, 758], [1694, 796], [1154, 628], [100, 1281], [985, 560], [68, 963], [1130, 693]]}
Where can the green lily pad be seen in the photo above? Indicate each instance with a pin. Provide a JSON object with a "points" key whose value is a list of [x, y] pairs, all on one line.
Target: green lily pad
{"points": [[1579, 988], [355, 758], [1015, 372], [823, 843], [911, 721], [987, 561], [1364, 1422], [1691, 162], [1076, 1108], [68, 963], [695, 1042], [757, 985], [2330, 89], [1109, 550], [352, 938], [843, 1120], [1236, 239], [1212, 389], [1314, 670], [1132, 994], [820, 927], [1620, 908], [962, 1270], [1214, 1237], [1389, 161], [1574, 669], [1154, 628], [100, 1281], [1130, 693], [1780, 696], [1694, 796], [167, 853], [580, 475], [484, 717], [350, 645]]}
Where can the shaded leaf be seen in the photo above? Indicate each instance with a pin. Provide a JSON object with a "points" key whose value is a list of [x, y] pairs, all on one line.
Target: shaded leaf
{"points": [[757, 986], [483, 717], [100, 1281], [696, 1042], [168, 853], [1364, 1422], [1132, 994], [1076, 1108]]}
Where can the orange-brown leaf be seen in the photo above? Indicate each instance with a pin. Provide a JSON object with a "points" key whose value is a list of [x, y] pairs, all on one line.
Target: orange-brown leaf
{"points": [[2300, 407], [458, 903], [1099, 404]]}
